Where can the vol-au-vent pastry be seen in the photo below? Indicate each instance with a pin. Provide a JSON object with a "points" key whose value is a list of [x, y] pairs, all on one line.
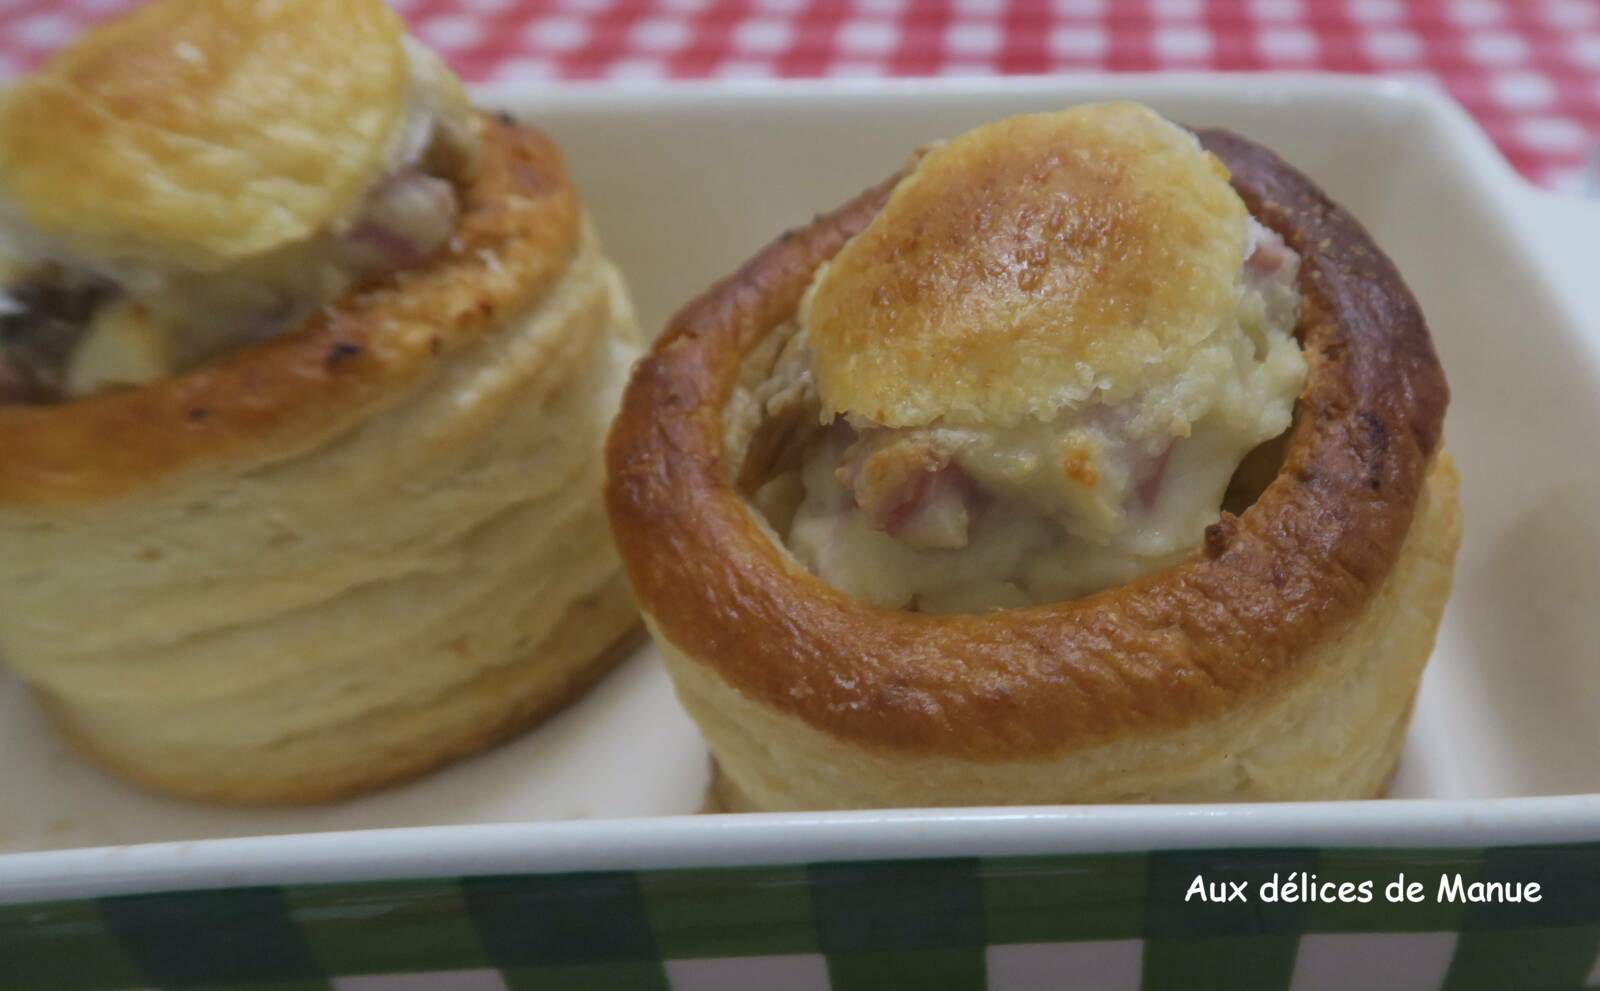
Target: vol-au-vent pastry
{"points": [[305, 369], [1091, 459]]}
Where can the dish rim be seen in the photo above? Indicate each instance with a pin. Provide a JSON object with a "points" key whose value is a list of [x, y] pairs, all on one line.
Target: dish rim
{"points": [[788, 838]]}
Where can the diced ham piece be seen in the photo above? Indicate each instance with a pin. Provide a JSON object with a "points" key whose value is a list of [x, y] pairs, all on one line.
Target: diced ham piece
{"points": [[910, 490], [1149, 485], [404, 220], [1268, 254], [934, 510]]}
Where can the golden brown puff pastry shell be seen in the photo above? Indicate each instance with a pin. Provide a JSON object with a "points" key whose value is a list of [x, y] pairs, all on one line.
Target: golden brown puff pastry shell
{"points": [[1279, 662], [341, 557]]}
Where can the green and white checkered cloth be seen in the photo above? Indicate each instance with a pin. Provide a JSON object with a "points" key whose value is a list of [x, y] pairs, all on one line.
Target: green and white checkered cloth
{"points": [[1081, 922]]}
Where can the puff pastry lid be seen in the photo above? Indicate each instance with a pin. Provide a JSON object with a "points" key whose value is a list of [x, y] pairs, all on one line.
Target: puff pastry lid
{"points": [[1026, 266], [200, 132]]}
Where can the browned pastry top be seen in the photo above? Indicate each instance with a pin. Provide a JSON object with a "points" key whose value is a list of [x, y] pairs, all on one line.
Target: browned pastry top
{"points": [[1026, 265], [1174, 647], [517, 232], [203, 133]]}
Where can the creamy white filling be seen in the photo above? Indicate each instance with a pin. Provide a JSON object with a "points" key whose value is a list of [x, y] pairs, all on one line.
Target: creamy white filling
{"points": [[968, 519]]}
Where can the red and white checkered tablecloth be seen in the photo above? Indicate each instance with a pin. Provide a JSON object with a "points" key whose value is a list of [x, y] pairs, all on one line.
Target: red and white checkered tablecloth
{"points": [[1528, 70]]}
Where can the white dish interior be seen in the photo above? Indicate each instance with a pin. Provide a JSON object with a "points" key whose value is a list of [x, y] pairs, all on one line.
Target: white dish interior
{"points": [[686, 182]]}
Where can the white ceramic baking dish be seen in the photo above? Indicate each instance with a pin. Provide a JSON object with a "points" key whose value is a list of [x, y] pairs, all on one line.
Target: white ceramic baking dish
{"points": [[686, 181]]}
